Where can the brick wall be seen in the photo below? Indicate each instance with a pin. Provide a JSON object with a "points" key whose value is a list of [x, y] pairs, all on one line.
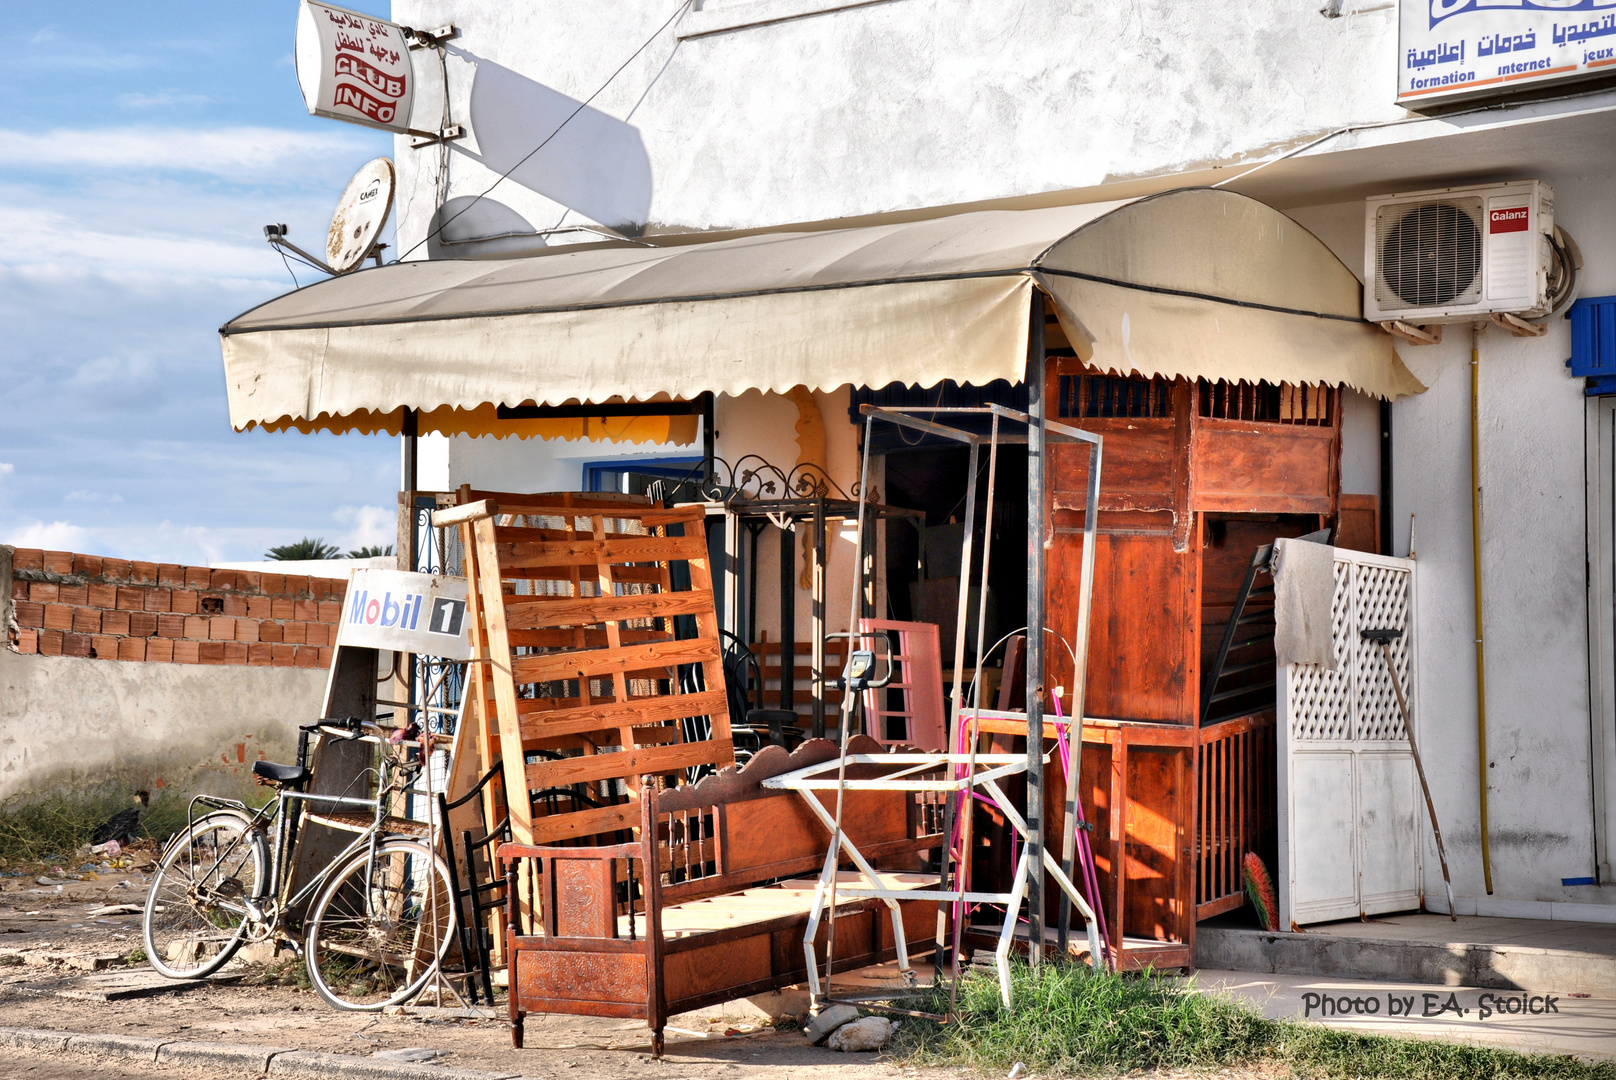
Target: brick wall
{"points": [[112, 609]]}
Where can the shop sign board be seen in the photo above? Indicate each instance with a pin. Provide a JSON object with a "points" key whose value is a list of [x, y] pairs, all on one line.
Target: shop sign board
{"points": [[354, 67], [398, 611], [1452, 50]]}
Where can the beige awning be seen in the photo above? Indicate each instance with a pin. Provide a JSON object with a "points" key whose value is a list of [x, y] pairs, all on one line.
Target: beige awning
{"points": [[1199, 283]]}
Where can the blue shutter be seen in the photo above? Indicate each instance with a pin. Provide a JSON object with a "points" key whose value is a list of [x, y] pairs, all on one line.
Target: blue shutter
{"points": [[1593, 343]]}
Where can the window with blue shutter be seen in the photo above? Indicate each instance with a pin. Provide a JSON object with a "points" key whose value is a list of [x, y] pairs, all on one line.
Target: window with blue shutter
{"points": [[1593, 343]]}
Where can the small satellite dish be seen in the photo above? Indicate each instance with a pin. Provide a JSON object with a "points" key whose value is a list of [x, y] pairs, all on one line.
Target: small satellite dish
{"points": [[360, 214]]}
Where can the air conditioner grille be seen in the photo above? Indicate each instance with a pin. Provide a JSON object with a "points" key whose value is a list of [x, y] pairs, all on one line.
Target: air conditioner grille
{"points": [[1430, 253]]}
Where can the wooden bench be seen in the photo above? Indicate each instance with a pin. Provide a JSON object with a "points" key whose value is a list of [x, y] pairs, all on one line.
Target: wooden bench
{"points": [[711, 902]]}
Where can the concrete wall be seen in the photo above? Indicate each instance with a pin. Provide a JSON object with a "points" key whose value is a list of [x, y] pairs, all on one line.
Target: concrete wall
{"points": [[81, 728]]}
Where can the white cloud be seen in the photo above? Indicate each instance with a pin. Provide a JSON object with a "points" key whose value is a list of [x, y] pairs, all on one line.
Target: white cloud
{"points": [[53, 536], [235, 152], [162, 99], [369, 526], [6, 468]]}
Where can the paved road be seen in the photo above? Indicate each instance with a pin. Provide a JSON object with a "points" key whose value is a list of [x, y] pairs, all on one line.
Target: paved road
{"points": [[18, 1065]]}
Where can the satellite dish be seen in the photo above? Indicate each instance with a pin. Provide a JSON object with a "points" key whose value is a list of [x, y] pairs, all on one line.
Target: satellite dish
{"points": [[360, 214]]}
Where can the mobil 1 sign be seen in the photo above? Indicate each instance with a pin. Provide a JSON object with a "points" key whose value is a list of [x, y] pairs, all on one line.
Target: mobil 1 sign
{"points": [[403, 612], [1453, 50]]}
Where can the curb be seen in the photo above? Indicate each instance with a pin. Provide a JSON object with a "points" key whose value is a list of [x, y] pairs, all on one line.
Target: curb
{"points": [[259, 1060]]}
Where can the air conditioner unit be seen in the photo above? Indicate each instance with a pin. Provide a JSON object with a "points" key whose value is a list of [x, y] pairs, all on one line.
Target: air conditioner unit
{"points": [[1459, 254]]}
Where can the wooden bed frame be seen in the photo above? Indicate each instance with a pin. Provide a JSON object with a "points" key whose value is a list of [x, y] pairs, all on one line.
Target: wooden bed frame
{"points": [[710, 903]]}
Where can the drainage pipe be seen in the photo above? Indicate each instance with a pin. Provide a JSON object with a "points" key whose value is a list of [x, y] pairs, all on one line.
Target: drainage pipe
{"points": [[1475, 558]]}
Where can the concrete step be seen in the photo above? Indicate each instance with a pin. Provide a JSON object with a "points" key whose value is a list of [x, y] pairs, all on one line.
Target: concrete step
{"points": [[1488, 953]]}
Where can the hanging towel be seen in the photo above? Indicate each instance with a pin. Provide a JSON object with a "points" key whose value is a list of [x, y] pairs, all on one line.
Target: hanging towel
{"points": [[1304, 593]]}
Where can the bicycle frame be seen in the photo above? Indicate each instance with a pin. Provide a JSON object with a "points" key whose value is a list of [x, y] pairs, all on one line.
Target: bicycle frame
{"points": [[271, 894]]}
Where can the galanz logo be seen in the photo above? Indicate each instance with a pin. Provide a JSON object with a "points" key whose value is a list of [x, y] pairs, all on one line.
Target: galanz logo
{"points": [[1511, 220]]}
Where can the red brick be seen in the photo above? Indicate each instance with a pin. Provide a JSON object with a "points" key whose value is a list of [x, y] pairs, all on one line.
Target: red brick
{"points": [[104, 647], [170, 574], [76, 645], [259, 654], [196, 627], [247, 580], [198, 577], [339, 589], [294, 633], [28, 641], [59, 562], [283, 655], [87, 620], [298, 585], [210, 652], [221, 579], [73, 594], [184, 601], [320, 588], [317, 634], [186, 652], [131, 599], [19, 589], [143, 623], [29, 613], [28, 559], [222, 628], [307, 657], [235, 652], [132, 648], [50, 643], [88, 565], [325, 658], [170, 626], [282, 609], [307, 610], [116, 569], [58, 617], [101, 596], [271, 631], [44, 591], [246, 629], [159, 651], [258, 607], [330, 611], [274, 584], [114, 622], [144, 572], [158, 599], [235, 605]]}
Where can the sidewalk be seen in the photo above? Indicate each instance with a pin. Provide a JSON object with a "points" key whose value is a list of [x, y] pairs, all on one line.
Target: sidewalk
{"points": [[1544, 1022]]}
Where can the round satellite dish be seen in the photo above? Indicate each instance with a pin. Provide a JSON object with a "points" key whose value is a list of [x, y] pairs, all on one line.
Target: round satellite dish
{"points": [[360, 214]]}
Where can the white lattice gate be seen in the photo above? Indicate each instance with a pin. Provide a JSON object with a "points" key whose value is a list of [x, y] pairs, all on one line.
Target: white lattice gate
{"points": [[1351, 825]]}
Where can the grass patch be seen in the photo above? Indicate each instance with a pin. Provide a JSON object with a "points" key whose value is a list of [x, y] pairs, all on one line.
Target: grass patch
{"points": [[1068, 1020]]}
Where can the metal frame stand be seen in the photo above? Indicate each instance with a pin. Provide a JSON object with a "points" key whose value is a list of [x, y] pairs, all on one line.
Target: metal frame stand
{"points": [[963, 777]]}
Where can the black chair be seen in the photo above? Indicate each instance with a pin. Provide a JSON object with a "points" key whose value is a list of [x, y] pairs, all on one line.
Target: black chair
{"points": [[751, 726], [485, 891]]}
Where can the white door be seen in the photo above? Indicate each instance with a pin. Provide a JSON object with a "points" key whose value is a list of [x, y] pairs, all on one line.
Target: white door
{"points": [[1351, 818]]}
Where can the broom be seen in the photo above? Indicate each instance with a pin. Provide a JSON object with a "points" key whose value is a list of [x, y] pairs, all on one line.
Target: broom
{"points": [[1260, 890]]}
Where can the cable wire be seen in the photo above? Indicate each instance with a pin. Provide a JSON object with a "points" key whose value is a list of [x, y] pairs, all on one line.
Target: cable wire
{"points": [[582, 105]]}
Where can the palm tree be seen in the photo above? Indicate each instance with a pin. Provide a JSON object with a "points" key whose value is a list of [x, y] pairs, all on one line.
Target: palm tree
{"points": [[374, 551], [304, 549]]}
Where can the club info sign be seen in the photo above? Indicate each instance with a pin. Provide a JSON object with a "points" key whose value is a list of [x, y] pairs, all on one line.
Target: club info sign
{"points": [[403, 612], [353, 67], [1454, 50]]}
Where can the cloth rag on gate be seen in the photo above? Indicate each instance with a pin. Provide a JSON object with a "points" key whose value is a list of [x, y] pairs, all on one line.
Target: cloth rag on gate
{"points": [[1304, 594]]}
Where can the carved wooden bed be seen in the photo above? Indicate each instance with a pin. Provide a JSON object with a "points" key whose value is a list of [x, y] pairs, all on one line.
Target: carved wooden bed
{"points": [[710, 902]]}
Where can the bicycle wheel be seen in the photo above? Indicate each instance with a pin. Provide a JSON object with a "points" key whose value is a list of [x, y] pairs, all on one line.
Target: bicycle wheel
{"points": [[379, 929], [195, 916]]}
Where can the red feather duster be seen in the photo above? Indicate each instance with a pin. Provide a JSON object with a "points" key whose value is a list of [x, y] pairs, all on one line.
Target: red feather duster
{"points": [[1260, 889]]}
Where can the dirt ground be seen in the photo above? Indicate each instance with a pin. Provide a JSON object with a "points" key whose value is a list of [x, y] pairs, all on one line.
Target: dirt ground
{"points": [[49, 942]]}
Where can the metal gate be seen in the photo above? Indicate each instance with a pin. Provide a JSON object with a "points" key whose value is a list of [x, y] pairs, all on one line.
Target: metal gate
{"points": [[1351, 831]]}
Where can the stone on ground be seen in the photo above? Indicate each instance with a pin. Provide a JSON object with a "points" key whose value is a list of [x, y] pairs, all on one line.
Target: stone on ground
{"points": [[870, 1033], [828, 1021]]}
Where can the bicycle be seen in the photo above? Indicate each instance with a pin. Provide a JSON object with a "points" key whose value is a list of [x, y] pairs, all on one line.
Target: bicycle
{"points": [[383, 912]]}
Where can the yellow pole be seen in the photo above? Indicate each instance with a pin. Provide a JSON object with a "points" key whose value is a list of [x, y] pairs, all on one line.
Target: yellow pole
{"points": [[1475, 559]]}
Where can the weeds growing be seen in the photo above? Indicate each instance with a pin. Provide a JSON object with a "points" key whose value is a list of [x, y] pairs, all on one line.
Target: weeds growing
{"points": [[1069, 1020]]}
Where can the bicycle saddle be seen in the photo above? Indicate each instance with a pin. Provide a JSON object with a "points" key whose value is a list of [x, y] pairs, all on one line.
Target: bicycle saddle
{"points": [[280, 774]]}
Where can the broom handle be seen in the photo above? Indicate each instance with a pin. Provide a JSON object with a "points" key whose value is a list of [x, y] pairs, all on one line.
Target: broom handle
{"points": [[1419, 766]]}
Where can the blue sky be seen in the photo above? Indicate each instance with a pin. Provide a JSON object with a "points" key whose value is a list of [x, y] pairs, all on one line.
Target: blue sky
{"points": [[144, 148]]}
